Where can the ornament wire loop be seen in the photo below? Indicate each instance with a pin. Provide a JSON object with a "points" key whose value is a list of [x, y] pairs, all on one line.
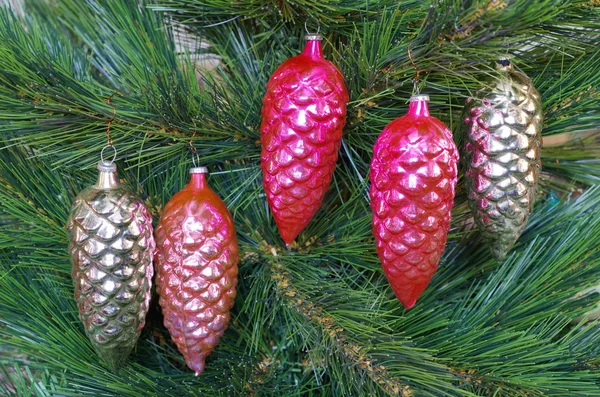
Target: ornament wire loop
{"points": [[308, 32], [416, 87], [114, 153], [109, 122], [416, 80], [193, 148], [195, 159]]}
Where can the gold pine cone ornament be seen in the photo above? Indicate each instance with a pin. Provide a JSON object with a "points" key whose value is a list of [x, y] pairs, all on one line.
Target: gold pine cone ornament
{"points": [[111, 246], [502, 130]]}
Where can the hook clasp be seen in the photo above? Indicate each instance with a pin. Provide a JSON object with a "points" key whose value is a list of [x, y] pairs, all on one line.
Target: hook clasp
{"points": [[416, 87], [114, 153], [195, 159], [308, 32], [193, 148]]}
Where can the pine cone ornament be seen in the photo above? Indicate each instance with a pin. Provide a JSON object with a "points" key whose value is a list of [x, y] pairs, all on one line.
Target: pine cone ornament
{"points": [[304, 111], [111, 247], [502, 127], [196, 265], [413, 176]]}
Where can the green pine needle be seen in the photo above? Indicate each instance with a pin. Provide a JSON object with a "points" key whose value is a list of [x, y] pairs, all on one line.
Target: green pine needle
{"points": [[318, 318]]}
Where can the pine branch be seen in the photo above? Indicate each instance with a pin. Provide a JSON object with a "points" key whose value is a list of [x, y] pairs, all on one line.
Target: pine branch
{"points": [[332, 334], [337, 15], [319, 318]]}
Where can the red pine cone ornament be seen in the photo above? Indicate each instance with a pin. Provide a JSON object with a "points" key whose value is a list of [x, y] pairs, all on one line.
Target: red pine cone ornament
{"points": [[413, 176], [304, 111], [196, 264]]}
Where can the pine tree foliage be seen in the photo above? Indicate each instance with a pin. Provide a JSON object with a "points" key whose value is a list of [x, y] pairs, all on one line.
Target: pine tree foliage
{"points": [[319, 318]]}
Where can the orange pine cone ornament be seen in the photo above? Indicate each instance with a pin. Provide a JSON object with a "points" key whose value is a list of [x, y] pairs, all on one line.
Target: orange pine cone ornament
{"points": [[196, 266]]}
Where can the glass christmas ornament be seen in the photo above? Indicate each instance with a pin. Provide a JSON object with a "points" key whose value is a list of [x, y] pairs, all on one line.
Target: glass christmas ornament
{"points": [[196, 268], [413, 177], [502, 129], [111, 247], [304, 111]]}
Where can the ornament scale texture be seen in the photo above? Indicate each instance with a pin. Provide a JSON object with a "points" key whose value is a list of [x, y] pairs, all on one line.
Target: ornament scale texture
{"points": [[304, 111], [196, 264], [413, 177], [502, 127], [111, 247]]}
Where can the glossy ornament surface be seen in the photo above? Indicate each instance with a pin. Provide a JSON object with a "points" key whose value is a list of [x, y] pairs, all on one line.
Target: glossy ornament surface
{"points": [[502, 127], [111, 247], [413, 177], [196, 265], [304, 112]]}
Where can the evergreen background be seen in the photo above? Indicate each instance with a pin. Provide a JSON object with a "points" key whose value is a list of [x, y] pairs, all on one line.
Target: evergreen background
{"points": [[319, 319]]}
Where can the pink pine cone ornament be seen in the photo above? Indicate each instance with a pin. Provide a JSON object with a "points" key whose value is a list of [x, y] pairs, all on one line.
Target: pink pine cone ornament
{"points": [[413, 176], [304, 111], [196, 265]]}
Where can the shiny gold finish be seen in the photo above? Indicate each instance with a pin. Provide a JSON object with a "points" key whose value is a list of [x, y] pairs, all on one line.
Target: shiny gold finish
{"points": [[502, 127], [111, 247]]}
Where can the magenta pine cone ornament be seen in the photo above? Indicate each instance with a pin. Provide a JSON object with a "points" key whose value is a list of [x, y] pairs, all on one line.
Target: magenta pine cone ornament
{"points": [[413, 177], [196, 269], [304, 111]]}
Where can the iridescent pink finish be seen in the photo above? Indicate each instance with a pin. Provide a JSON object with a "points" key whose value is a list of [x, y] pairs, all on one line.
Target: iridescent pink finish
{"points": [[304, 111], [413, 176], [196, 265]]}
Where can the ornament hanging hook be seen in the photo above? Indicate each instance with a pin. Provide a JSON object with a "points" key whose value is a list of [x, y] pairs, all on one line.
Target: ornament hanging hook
{"points": [[109, 122], [109, 140], [308, 32], [416, 80]]}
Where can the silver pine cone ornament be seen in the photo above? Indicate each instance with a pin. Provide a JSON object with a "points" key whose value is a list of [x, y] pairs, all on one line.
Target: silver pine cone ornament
{"points": [[111, 247], [502, 129]]}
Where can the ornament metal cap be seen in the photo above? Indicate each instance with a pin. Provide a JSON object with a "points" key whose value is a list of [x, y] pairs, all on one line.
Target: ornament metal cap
{"points": [[420, 97], [107, 166], [504, 61], [199, 170], [313, 36]]}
